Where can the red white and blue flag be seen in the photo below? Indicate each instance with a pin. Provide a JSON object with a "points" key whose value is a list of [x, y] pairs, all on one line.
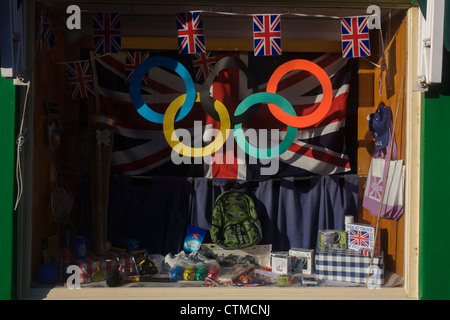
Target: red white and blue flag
{"points": [[317, 150], [355, 37], [267, 34], [190, 32], [359, 238], [107, 32], [203, 64], [46, 34], [132, 60], [141, 149], [80, 79]]}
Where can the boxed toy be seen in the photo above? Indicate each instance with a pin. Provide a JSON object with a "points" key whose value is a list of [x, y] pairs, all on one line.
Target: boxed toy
{"points": [[256, 254], [302, 260], [361, 236], [111, 261], [332, 239], [349, 266], [280, 262]]}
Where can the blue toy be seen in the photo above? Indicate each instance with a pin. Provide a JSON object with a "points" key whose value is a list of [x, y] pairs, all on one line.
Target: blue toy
{"points": [[177, 273], [46, 273]]}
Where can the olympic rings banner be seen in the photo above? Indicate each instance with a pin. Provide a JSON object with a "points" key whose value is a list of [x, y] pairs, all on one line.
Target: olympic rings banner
{"points": [[252, 118]]}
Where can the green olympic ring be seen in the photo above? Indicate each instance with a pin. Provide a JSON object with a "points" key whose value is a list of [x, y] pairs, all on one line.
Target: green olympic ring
{"points": [[264, 97]]}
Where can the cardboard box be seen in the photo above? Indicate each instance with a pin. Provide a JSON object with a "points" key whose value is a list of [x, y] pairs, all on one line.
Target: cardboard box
{"points": [[332, 239], [111, 261], [349, 266], [280, 262], [361, 236], [302, 260]]}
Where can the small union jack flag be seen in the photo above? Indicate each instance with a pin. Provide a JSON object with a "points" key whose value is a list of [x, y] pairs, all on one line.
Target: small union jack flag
{"points": [[48, 35], [355, 37], [203, 64], [359, 238], [107, 32], [132, 60], [190, 32], [45, 34], [80, 79], [267, 34]]}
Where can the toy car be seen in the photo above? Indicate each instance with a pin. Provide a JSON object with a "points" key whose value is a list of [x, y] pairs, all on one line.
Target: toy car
{"points": [[244, 276]]}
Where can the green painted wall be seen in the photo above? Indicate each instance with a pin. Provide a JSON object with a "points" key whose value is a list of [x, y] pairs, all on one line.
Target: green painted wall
{"points": [[7, 147], [434, 281]]}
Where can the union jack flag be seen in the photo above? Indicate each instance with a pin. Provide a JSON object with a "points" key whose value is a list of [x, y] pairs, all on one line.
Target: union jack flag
{"points": [[107, 32], [267, 34], [80, 79], [133, 59], [203, 64], [359, 238], [190, 32], [46, 34], [141, 149], [355, 37]]}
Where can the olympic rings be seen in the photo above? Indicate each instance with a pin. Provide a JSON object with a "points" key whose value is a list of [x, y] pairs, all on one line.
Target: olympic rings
{"points": [[135, 88], [226, 63], [278, 105], [178, 146], [290, 133], [325, 104]]}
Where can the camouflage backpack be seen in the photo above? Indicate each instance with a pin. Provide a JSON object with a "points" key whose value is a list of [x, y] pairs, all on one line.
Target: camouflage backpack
{"points": [[235, 223]]}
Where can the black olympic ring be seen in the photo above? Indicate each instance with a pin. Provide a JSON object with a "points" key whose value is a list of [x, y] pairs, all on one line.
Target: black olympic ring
{"points": [[205, 99]]}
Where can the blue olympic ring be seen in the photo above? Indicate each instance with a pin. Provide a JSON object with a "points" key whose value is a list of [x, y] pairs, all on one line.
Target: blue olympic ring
{"points": [[135, 88]]}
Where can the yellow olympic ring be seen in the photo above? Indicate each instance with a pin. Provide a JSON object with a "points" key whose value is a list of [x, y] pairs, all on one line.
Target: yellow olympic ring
{"points": [[181, 148]]}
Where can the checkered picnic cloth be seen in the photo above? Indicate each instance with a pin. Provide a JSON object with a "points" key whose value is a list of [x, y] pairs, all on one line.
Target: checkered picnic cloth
{"points": [[349, 266]]}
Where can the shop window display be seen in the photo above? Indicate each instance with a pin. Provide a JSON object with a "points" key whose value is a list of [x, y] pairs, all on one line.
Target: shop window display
{"points": [[152, 138]]}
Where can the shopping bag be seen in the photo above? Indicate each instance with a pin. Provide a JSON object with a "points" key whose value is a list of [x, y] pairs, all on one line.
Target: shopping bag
{"points": [[387, 172], [392, 204]]}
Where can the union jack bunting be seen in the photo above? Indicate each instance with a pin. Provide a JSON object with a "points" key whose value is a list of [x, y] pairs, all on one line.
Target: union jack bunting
{"points": [[267, 34], [190, 32], [203, 64], [46, 34], [80, 79], [132, 60], [355, 37], [107, 32], [359, 238]]}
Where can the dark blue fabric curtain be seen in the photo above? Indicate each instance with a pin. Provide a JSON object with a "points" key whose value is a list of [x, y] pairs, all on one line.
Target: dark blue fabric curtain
{"points": [[156, 211]]}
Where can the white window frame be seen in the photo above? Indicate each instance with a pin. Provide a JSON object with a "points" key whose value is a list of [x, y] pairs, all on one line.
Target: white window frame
{"points": [[430, 46]]}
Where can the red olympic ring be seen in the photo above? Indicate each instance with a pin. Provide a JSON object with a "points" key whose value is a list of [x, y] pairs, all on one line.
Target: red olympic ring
{"points": [[322, 109]]}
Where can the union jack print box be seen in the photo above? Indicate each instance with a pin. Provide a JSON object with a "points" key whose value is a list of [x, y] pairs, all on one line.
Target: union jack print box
{"points": [[349, 266], [112, 261], [361, 236]]}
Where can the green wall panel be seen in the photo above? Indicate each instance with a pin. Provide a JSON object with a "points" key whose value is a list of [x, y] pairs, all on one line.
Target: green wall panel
{"points": [[434, 282], [7, 147]]}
